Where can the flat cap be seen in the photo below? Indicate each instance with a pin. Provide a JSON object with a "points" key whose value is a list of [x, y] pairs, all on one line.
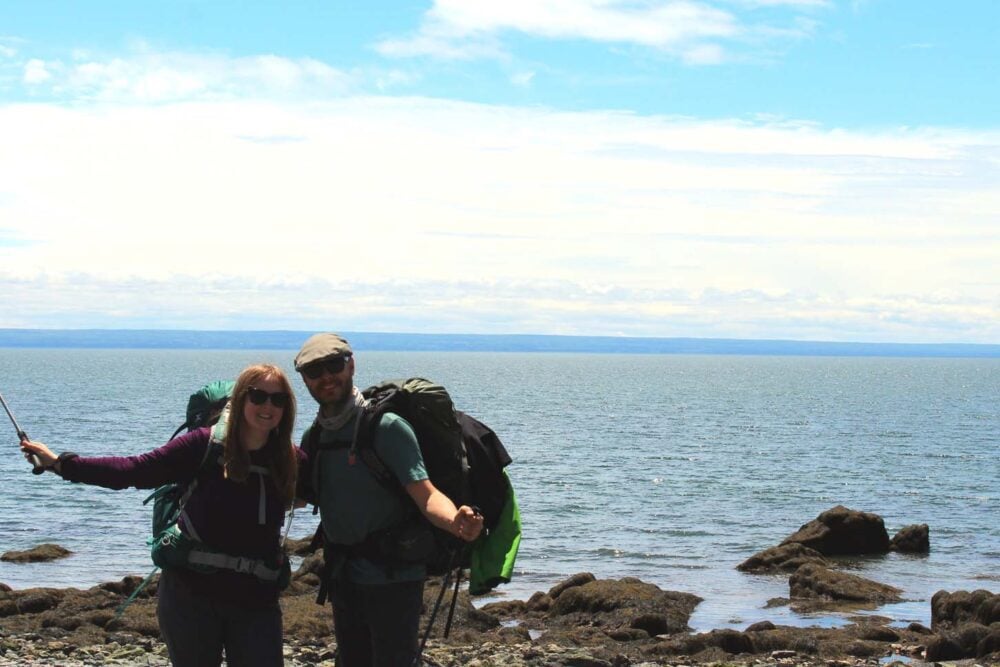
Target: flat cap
{"points": [[320, 346]]}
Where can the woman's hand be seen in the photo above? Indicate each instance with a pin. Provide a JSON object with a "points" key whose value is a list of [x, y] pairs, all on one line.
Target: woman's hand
{"points": [[44, 454], [468, 523]]}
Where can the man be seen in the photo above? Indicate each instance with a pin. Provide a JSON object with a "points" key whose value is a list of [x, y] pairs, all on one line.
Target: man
{"points": [[376, 604]]}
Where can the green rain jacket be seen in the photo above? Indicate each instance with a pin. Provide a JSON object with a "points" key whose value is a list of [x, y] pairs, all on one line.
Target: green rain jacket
{"points": [[492, 558]]}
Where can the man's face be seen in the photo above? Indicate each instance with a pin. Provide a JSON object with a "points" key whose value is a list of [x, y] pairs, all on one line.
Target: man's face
{"points": [[330, 380]]}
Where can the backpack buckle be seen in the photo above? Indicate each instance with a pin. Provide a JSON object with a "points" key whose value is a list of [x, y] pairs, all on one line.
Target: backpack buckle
{"points": [[244, 565]]}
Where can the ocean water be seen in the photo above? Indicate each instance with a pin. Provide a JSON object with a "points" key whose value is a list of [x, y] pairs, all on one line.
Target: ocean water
{"points": [[669, 468]]}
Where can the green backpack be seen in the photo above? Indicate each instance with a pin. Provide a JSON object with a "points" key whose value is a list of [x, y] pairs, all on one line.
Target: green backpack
{"points": [[205, 405]]}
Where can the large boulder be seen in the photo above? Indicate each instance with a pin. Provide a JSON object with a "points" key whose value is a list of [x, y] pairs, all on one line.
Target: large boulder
{"points": [[843, 531], [914, 539], [782, 558], [626, 603], [39, 554], [949, 610], [816, 581], [968, 625]]}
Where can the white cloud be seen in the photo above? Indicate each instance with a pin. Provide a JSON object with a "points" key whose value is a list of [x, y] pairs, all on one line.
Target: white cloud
{"points": [[522, 79], [802, 4], [452, 216], [467, 29], [36, 71], [7, 51], [144, 76], [704, 54], [442, 44]]}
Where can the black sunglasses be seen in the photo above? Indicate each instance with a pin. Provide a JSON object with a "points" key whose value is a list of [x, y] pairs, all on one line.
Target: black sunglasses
{"points": [[331, 365], [279, 399]]}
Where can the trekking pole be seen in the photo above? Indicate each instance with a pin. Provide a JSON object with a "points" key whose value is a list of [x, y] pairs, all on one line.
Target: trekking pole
{"points": [[37, 467], [445, 583], [454, 599]]}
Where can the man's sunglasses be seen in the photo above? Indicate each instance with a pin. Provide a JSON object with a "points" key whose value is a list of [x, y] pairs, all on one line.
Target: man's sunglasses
{"points": [[279, 399], [331, 365]]}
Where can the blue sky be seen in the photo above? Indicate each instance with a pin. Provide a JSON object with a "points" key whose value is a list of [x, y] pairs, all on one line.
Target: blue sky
{"points": [[807, 169]]}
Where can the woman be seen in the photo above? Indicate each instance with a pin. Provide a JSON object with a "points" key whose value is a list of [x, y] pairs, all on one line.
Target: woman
{"points": [[237, 508]]}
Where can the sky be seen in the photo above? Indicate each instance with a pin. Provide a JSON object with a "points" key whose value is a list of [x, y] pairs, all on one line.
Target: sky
{"points": [[764, 169]]}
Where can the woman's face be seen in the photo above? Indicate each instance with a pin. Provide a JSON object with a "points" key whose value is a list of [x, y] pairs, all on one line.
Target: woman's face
{"points": [[265, 415]]}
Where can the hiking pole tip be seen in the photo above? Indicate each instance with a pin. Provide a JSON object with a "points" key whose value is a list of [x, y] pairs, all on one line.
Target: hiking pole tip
{"points": [[36, 463]]}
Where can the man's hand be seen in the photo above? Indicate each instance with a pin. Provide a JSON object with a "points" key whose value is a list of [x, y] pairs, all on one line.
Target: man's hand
{"points": [[468, 523]]}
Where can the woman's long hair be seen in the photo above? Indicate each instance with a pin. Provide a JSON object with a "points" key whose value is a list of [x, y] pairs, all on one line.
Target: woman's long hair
{"points": [[284, 462]]}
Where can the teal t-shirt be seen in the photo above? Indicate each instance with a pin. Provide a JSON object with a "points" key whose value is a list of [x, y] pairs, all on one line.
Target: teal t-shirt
{"points": [[353, 504]]}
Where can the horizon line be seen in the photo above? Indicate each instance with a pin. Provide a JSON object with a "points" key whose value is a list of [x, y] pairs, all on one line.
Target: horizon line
{"points": [[106, 338]]}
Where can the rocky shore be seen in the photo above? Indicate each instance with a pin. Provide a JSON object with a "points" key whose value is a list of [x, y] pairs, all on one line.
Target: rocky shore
{"points": [[582, 621]]}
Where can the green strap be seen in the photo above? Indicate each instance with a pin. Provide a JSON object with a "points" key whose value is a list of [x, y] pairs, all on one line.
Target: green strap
{"points": [[138, 589]]}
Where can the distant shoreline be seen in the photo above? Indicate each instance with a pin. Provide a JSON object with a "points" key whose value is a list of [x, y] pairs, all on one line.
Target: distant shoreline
{"points": [[413, 342]]}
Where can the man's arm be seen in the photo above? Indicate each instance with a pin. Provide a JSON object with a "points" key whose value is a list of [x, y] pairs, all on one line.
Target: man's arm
{"points": [[462, 522]]}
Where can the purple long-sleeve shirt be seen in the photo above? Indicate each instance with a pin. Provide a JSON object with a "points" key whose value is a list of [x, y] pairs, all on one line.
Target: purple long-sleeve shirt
{"points": [[225, 513]]}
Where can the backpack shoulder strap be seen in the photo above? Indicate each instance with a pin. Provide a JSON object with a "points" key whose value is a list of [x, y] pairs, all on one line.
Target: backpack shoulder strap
{"points": [[364, 443], [213, 453]]}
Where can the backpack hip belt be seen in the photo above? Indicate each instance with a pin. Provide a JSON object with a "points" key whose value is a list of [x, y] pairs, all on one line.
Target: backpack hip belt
{"points": [[254, 566]]}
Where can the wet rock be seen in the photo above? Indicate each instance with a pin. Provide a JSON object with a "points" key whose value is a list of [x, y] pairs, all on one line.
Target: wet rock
{"points": [[782, 558], [539, 601], [37, 600], [919, 628], [943, 648], [629, 634], [576, 580], [39, 554], [127, 585], [967, 623], [761, 626], [658, 624], [300, 547], [618, 603], [731, 641], [912, 539], [951, 609], [312, 564], [814, 581], [507, 609], [843, 531], [878, 633], [863, 649]]}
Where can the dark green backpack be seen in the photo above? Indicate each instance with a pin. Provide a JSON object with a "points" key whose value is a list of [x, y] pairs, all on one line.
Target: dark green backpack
{"points": [[205, 405], [464, 460]]}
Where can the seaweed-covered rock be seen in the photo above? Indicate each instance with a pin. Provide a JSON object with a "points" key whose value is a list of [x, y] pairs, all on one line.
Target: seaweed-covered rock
{"points": [[913, 539], [815, 581], [968, 625], [782, 558], [949, 610], [619, 603], [843, 531], [40, 554], [576, 580]]}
